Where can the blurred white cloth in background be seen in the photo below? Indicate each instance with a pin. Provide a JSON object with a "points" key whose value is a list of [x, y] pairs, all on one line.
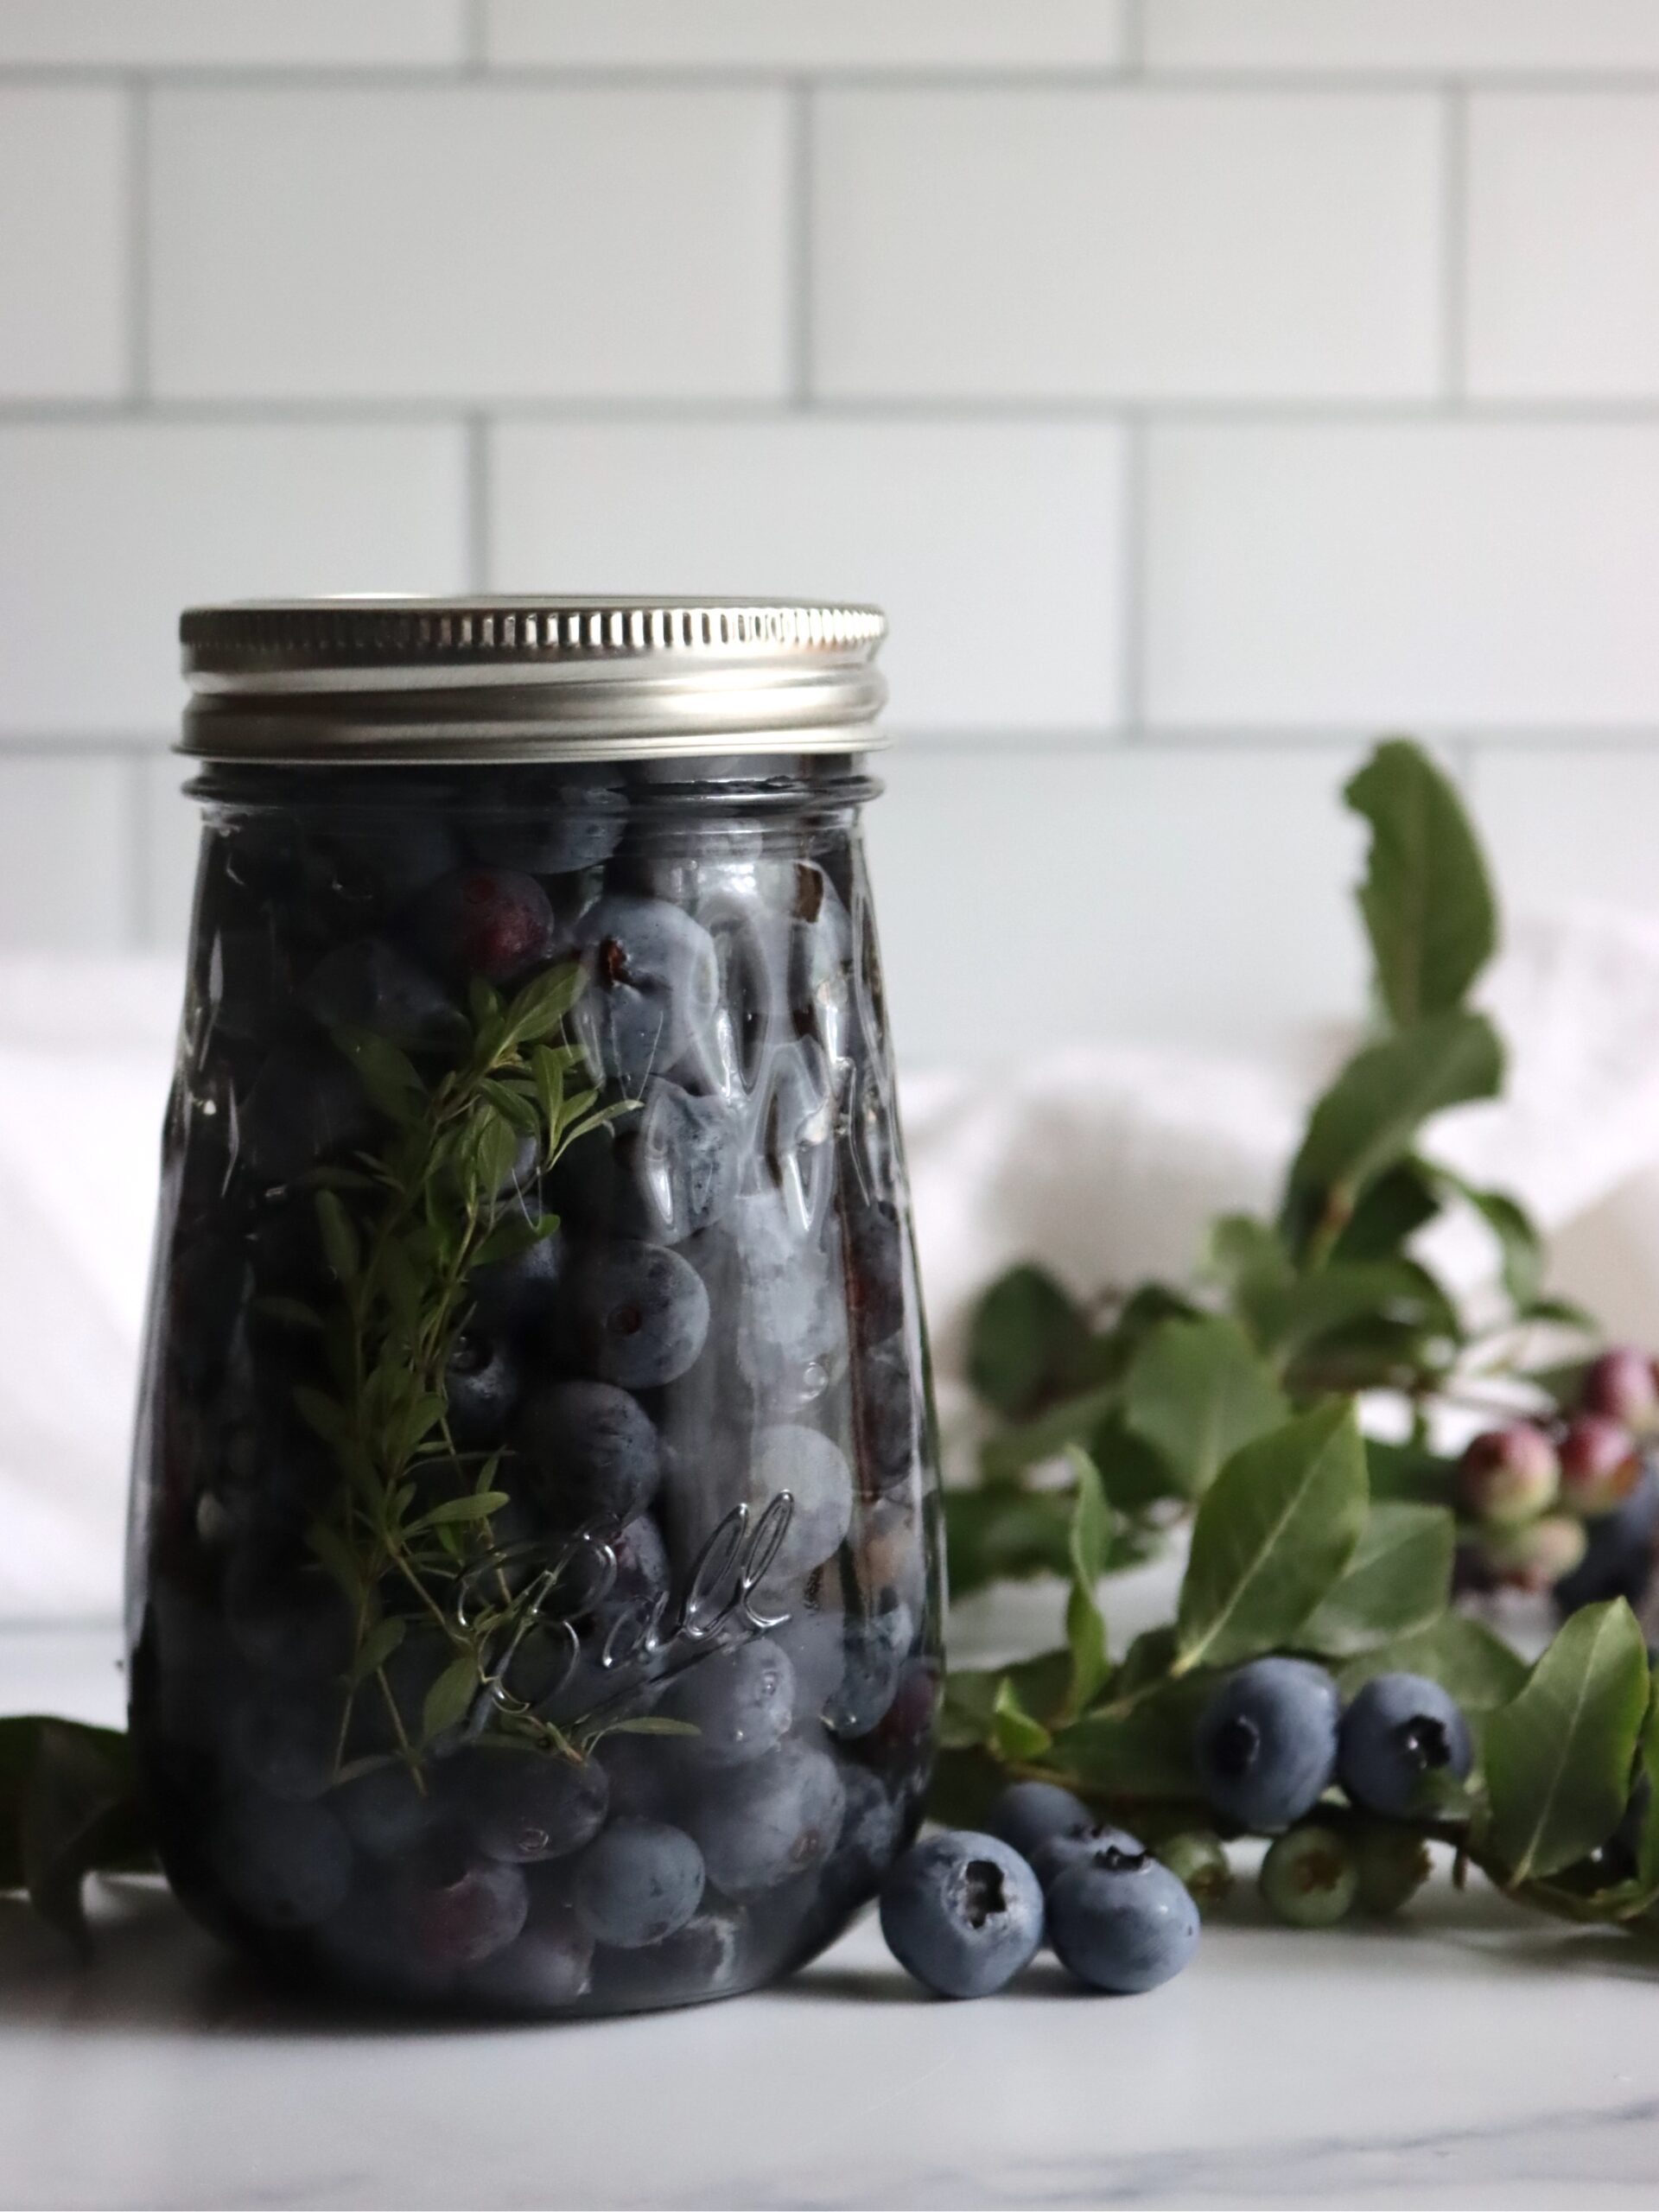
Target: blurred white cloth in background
{"points": [[1106, 1163]]}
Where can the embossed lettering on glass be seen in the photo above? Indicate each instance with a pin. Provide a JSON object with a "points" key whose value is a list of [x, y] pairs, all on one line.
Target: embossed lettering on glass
{"points": [[534, 1595]]}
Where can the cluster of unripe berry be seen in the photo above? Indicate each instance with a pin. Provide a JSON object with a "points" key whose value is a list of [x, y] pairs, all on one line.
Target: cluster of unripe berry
{"points": [[1570, 1505]]}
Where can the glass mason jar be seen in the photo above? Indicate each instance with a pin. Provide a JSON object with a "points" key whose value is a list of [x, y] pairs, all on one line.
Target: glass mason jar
{"points": [[534, 1591]]}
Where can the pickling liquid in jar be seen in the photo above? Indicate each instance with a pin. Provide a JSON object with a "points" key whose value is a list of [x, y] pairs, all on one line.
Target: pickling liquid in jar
{"points": [[535, 1595]]}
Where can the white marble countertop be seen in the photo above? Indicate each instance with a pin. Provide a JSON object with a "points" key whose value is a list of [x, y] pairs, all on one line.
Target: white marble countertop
{"points": [[1467, 2055]]}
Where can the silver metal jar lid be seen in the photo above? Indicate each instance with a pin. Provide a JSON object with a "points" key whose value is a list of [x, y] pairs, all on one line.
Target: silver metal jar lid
{"points": [[410, 680]]}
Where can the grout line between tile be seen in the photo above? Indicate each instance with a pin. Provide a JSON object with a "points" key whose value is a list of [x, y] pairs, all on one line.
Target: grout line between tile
{"points": [[474, 37], [1635, 411], [141, 918], [1135, 38], [941, 76], [476, 520], [1454, 244], [138, 240], [1132, 589], [798, 244]]}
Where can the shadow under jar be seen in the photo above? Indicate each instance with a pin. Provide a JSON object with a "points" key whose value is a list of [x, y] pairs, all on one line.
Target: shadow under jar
{"points": [[535, 1593]]}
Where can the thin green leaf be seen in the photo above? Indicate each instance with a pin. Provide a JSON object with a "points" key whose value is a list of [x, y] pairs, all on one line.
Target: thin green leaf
{"points": [[1558, 1756], [289, 1313], [376, 1647], [1370, 1116], [1398, 1583], [450, 1698], [339, 1244], [1464, 1655], [1427, 898], [1015, 1734], [1273, 1534], [1024, 1339], [475, 1506], [1196, 1391], [541, 1006], [1085, 1624]]}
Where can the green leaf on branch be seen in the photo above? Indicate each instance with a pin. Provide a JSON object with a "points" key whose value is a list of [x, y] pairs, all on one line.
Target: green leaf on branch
{"points": [[71, 1808], [1085, 1624], [997, 1532], [1398, 1583], [1242, 1252], [1289, 1320], [1196, 1391], [1073, 1422], [1403, 1199], [450, 1698], [1017, 1736], [1558, 1756], [1427, 898], [1134, 1474], [1462, 1656], [1273, 1536], [1143, 1749], [1025, 1342], [1371, 1114]]}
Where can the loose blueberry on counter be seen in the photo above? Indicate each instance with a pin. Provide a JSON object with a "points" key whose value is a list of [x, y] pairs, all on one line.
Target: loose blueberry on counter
{"points": [[1028, 1812], [593, 1446], [369, 984], [1266, 1743], [762, 1824], [284, 1864], [1310, 1876], [741, 1702], [481, 1388], [640, 1313], [653, 980], [305, 1104], [527, 1806], [1121, 1923], [961, 1912], [1100, 1844], [492, 922], [640, 1882], [1400, 1734], [878, 1643], [1618, 1554], [1509, 1475]]}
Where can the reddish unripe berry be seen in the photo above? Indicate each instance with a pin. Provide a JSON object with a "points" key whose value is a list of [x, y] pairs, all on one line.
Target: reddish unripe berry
{"points": [[1535, 1557], [1598, 1463], [1508, 1475], [1621, 1386]]}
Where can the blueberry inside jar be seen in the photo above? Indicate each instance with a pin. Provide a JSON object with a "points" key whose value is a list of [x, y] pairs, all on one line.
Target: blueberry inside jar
{"points": [[535, 1594]]}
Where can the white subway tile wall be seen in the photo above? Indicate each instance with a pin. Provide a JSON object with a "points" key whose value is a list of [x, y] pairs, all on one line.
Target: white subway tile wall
{"points": [[1204, 384]]}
